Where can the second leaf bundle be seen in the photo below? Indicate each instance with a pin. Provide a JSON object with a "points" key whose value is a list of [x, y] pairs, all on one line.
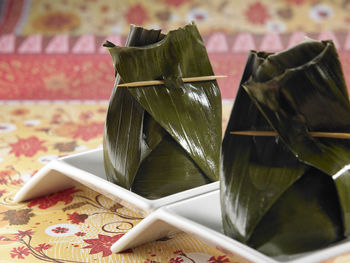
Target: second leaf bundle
{"points": [[288, 194]]}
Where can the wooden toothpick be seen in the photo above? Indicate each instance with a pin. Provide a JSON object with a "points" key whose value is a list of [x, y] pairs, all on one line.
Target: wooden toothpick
{"points": [[160, 82], [336, 135]]}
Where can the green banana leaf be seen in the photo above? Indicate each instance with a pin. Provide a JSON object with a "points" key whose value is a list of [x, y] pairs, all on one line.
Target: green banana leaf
{"points": [[161, 140], [288, 194]]}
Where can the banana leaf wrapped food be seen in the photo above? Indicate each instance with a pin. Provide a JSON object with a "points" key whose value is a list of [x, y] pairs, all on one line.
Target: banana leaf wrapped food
{"points": [[161, 140], [289, 193]]}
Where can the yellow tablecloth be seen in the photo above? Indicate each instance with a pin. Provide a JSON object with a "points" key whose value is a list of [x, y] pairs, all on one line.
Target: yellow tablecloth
{"points": [[77, 224]]}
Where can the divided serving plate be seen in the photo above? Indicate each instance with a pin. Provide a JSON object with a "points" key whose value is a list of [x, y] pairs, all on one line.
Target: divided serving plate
{"points": [[87, 168], [195, 211], [200, 216]]}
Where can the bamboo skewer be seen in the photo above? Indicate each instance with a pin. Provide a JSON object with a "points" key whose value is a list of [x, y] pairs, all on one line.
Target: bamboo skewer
{"points": [[160, 82], [336, 135]]}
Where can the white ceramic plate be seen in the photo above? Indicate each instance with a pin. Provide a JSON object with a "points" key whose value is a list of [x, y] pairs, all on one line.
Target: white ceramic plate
{"points": [[201, 216], [87, 168], [196, 211]]}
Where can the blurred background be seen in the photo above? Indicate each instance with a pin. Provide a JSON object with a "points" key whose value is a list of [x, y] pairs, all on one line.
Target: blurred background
{"points": [[52, 49]]}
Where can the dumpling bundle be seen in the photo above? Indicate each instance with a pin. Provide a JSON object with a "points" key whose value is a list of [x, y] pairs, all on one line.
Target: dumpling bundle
{"points": [[288, 193], [162, 139]]}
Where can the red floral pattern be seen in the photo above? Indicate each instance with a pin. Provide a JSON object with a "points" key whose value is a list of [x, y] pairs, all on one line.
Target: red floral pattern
{"points": [[27, 147], [136, 14], [56, 22], [42, 247], [19, 252], [76, 218], [3, 181], [52, 199], [60, 230], [88, 131], [6, 173], [16, 182], [176, 260], [102, 244], [80, 234], [257, 13], [21, 234], [219, 259]]}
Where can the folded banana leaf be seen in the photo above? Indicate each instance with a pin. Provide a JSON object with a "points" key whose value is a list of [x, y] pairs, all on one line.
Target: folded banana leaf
{"points": [[290, 193], [161, 140]]}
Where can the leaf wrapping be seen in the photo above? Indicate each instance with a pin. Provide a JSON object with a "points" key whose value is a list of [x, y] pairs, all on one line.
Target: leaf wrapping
{"points": [[163, 139], [288, 194]]}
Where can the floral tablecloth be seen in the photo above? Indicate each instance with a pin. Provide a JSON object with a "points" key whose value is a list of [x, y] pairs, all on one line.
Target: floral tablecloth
{"points": [[77, 224]]}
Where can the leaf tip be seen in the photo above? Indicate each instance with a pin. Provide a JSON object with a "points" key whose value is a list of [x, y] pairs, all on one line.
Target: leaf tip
{"points": [[108, 44]]}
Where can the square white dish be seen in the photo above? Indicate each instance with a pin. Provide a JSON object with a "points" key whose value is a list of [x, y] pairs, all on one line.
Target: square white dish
{"points": [[87, 168], [201, 216]]}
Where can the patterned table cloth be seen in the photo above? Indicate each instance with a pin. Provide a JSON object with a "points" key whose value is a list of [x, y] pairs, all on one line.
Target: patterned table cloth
{"points": [[77, 224]]}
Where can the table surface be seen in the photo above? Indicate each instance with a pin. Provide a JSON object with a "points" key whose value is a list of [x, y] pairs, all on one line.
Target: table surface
{"points": [[78, 224]]}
